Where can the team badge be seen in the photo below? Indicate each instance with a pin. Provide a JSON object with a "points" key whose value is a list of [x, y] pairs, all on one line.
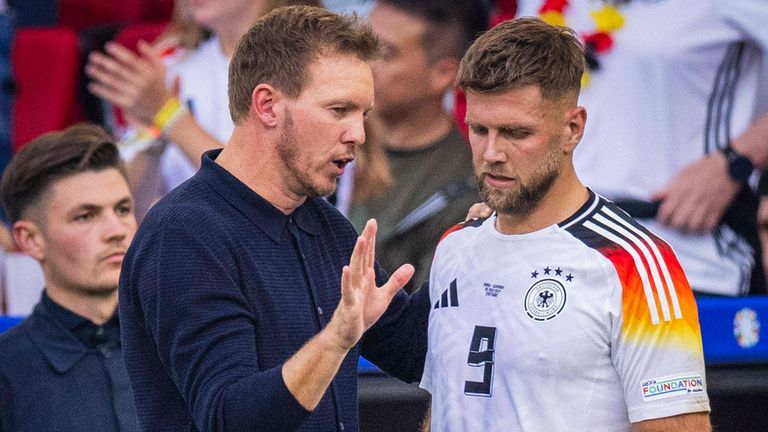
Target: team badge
{"points": [[546, 298]]}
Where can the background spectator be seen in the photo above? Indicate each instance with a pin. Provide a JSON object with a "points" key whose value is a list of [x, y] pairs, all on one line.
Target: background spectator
{"points": [[62, 368], [430, 162]]}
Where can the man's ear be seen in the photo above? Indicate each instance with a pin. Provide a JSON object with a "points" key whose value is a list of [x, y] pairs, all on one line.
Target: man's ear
{"points": [[577, 119], [443, 73], [29, 238], [263, 100]]}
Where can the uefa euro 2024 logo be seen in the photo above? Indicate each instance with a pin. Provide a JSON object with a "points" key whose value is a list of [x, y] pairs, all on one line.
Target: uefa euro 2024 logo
{"points": [[746, 328]]}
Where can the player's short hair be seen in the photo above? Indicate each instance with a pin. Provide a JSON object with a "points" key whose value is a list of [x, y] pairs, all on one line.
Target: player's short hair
{"points": [[281, 45], [522, 52], [51, 157]]}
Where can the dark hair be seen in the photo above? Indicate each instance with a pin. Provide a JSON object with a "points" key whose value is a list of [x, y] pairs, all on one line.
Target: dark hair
{"points": [[52, 156], [279, 48], [452, 25], [522, 52]]}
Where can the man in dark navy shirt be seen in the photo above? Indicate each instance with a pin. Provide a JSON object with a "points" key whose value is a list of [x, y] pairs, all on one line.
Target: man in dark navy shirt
{"points": [[62, 368], [246, 299]]}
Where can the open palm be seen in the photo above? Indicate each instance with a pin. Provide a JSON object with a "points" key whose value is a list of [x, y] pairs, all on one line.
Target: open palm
{"points": [[362, 302]]}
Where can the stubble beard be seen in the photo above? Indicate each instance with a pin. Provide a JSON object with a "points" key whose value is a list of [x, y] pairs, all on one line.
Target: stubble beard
{"points": [[99, 291], [287, 149], [526, 195]]}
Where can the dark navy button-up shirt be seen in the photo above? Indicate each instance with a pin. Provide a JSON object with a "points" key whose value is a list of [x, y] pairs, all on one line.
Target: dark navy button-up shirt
{"points": [[220, 288], [51, 380]]}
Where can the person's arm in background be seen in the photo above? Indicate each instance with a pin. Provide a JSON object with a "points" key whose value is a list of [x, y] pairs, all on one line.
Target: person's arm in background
{"points": [[698, 196], [137, 84]]}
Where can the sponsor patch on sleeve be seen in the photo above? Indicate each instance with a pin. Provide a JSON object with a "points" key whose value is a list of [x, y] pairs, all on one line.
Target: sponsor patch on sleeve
{"points": [[673, 385]]}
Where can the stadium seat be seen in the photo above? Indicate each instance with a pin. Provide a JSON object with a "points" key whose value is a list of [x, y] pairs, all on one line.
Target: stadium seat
{"points": [[46, 66], [78, 14], [130, 35], [157, 10]]}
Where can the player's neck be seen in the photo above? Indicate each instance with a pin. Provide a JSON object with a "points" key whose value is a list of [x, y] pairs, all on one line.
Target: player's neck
{"points": [[563, 199]]}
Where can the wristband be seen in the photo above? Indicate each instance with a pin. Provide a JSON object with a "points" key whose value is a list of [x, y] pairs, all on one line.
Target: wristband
{"points": [[169, 114]]}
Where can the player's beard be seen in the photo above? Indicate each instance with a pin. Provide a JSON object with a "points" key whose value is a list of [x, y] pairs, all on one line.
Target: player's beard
{"points": [[526, 194], [288, 150]]}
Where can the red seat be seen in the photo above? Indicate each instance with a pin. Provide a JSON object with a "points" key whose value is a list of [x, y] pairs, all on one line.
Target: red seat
{"points": [[46, 67], [78, 14], [157, 10], [130, 35]]}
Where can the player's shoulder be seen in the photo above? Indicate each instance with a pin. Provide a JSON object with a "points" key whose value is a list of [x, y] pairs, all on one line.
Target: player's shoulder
{"points": [[461, 228], [605, 227], [642, 262]]}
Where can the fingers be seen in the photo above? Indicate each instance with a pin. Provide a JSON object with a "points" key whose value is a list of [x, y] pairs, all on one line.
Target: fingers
{"points": [[398, 279], [370, 238], [152, 54], [479, 210], [107, 92], [356, 261], [666, 210], [347, 291], [108, 71], [121, 53]]}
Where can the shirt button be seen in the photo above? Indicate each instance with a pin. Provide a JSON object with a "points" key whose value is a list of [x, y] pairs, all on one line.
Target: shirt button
{"points": [[100, 331], [319, 310], [341, 426], [105, 351]]}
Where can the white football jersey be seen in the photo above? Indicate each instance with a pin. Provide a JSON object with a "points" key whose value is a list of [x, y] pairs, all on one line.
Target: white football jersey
{"points": [[585, 325]]}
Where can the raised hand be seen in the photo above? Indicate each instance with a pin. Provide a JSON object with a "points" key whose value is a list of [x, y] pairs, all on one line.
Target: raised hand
{"points": [[362, 302], [135, 83]]}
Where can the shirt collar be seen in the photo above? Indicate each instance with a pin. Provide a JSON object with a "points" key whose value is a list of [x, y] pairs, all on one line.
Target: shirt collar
{"points": [[68, 319], [257, 209], [58, 345]]}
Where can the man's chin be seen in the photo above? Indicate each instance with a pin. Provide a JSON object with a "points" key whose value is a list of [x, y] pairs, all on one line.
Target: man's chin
{"points": [[105, 289], [325, 190]]}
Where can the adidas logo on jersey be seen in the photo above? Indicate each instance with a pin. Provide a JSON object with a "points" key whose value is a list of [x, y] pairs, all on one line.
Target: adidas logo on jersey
{"points": [[449, 298]]}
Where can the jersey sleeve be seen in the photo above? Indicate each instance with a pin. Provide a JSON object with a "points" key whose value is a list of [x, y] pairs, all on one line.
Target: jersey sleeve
{"points": [[749, 17], [656, 341]]}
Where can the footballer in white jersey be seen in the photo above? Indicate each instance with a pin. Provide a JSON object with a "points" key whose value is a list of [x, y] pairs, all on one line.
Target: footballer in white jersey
{"points": [[588, 324]]}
